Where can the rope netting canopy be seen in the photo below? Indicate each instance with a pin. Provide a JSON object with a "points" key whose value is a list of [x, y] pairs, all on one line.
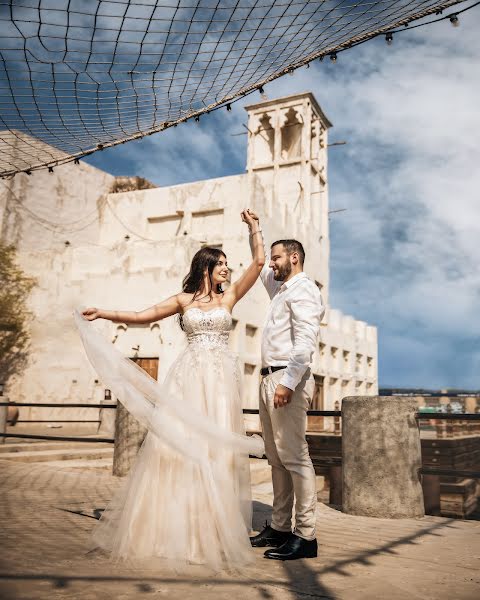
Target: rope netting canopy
{"points": [[78, 76]]}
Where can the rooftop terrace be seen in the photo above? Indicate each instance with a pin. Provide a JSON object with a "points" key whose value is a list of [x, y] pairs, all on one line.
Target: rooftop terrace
{"points": [[47, 512]]}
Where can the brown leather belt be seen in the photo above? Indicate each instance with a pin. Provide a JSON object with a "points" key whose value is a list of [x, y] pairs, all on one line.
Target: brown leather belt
{"points": [[269, 370]]}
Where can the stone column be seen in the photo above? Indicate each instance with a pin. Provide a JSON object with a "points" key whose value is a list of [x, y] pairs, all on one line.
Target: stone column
{"points": [[129, 436], [381, 457]]}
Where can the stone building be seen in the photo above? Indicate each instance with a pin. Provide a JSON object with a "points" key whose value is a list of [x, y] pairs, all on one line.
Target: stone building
{"points": [[89, 244]]}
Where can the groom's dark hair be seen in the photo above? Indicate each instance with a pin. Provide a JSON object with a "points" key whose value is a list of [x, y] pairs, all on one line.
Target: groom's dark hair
{"points": [[292, 246]]}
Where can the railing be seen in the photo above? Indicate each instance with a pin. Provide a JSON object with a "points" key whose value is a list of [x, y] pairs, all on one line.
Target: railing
{"points": [[473, 418], [61, 438], [447, 417]]}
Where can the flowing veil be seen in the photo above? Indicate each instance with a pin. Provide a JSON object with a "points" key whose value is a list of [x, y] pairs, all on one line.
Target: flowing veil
{"points": [[153, 405]]}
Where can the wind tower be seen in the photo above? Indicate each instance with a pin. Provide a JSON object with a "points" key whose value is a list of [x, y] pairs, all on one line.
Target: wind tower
{"points": [[287, 169]]}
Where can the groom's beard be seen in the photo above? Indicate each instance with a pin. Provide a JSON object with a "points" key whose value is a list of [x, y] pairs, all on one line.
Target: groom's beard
{"points": [[283, 272]]}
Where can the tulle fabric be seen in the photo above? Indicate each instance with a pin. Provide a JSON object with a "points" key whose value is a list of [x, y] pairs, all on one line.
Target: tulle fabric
{"points": [[187, 499]]}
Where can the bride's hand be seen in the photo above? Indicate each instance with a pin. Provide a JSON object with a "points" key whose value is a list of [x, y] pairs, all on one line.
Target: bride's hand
{"points": [[90, 314]]}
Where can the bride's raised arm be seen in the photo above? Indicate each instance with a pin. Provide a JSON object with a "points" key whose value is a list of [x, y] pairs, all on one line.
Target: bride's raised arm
{"points": [[164, 309], [239, 288]]}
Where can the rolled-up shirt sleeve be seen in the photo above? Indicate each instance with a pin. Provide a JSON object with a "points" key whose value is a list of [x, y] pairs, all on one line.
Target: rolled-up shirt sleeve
{"points": [[306, 313]]}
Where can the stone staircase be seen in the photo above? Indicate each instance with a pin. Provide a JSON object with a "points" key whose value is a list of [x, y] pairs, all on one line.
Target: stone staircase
{"points": [[61, 455]]}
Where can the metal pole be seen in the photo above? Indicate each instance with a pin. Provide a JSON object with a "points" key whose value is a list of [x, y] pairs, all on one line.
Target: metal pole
{"points": [[3, 415]]}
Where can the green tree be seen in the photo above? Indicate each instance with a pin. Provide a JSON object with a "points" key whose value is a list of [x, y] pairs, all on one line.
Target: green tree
{"points": [[15, 287]]}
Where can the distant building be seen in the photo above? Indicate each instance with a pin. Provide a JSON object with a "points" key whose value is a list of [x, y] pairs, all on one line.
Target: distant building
{"points": [[459, 400], [128, 250]]}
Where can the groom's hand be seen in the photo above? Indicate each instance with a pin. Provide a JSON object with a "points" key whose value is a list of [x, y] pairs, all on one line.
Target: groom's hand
{"points": [[283, 396]]}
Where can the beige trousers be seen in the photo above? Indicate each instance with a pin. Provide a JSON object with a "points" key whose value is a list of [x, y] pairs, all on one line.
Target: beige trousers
{"points": [[286, 447]]}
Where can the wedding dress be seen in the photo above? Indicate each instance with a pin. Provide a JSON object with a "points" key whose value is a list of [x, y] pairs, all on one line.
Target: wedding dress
{"points": [[187, 499]]}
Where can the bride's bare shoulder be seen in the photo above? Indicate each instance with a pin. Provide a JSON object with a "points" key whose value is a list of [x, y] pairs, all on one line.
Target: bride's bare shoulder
{"points": [[184, 299]]}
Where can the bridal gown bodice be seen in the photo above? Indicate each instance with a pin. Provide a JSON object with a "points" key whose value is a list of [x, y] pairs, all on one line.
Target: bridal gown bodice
{"points": [[209, 329]]}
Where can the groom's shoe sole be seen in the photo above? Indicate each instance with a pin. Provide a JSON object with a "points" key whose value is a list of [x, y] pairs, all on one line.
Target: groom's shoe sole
{"points": [[296, 556], [267, 544]]}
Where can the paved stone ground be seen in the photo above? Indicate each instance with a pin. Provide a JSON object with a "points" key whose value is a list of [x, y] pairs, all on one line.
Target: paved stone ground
{"points": [[46, 516]]}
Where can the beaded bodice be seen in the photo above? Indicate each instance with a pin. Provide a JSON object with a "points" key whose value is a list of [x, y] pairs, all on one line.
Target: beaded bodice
{"points": [[207, 328]]}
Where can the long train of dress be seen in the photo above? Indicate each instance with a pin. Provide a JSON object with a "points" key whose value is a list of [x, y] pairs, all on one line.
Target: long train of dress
{"points": [[187, 499]]}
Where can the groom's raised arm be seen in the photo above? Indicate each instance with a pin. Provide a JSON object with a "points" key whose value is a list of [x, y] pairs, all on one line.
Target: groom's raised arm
{"points": [[266, 274]]}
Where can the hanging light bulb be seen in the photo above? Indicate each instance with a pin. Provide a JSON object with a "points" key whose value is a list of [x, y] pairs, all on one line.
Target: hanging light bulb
{"points": [[260, 89], [229, 108], [454, 21], [197, 119], [333, 57], [389, 38]]}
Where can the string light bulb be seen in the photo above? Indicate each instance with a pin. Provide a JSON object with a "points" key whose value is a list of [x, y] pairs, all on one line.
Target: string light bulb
{"points": [[389, 38], [197, 119], [454, 21], [229, 108], [333, 57], [260, 89]]}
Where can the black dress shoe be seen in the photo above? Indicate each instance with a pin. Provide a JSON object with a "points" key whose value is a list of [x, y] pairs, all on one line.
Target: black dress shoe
{"points": [[270, 537], [293, 548]]}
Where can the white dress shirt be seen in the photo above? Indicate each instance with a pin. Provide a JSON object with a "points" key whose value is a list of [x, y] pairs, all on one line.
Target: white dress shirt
{"points": [[292, 324]]}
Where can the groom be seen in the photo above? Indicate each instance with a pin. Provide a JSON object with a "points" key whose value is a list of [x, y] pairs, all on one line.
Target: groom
{"points": [[289, 340]]}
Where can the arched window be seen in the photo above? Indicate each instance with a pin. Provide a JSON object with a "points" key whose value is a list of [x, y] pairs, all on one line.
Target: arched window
{"points": [[264, 141], [291, 135]]}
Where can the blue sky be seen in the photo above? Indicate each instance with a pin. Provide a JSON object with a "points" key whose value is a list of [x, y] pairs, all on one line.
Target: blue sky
{"points": [[405, 254]]}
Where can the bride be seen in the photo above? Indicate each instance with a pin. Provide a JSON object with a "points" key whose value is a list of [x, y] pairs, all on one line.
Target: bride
{"points": [[187, 498]]}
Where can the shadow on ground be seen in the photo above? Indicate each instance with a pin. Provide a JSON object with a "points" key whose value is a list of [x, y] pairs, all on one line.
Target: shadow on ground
{"points": [[302, 579], [47, 518]]}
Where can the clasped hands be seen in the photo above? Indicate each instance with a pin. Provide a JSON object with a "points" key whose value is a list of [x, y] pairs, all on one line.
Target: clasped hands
{"points": [[250, 218]]}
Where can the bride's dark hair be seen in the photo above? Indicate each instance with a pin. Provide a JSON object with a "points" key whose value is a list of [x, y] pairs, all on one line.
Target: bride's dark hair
{"points": [[204, 260]]}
